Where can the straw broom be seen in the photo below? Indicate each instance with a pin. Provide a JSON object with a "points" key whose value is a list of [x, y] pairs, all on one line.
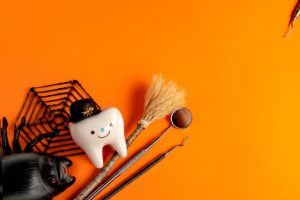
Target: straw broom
{"points": [[161, 99]]}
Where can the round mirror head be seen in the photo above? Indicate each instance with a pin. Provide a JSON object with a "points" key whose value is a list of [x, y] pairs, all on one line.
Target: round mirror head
{"points": [[181, 118]]}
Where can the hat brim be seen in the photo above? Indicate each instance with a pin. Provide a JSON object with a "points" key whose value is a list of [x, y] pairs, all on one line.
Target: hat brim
{"points": [[74, 120]]}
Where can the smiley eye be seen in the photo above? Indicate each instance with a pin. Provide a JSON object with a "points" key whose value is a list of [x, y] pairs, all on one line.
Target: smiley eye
{"points": [[92, 132], [111, 124]]}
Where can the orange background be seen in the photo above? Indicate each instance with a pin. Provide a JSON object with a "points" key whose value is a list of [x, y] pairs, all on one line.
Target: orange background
{"points": [[241, 75]]}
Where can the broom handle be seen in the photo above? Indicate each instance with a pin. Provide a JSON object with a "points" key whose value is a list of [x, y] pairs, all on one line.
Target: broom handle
{"points": [[104, 171]]}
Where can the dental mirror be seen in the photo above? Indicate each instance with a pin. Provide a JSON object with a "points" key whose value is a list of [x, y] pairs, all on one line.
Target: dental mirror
{"points": [[181, 118]]}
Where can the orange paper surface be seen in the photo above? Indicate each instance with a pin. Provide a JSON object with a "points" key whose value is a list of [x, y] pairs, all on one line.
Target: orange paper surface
{"points": [[241, 76]]}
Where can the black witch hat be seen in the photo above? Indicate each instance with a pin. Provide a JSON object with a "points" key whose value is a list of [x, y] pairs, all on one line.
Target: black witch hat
{"points": [[83, 109]]}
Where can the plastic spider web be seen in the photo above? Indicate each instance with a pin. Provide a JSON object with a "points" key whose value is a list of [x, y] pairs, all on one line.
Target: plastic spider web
{"points": [[47, 111]]}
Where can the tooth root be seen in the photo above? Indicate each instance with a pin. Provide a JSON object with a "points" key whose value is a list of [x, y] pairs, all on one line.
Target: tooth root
{"points": [[95, 155], [120, 147]]}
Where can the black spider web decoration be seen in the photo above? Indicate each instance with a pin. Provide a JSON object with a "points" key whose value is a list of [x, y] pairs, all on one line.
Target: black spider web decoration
{"points": [[47, 113]]}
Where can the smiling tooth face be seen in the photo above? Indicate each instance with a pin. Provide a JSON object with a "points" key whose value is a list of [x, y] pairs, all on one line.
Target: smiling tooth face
{"points": [[93, 133]]}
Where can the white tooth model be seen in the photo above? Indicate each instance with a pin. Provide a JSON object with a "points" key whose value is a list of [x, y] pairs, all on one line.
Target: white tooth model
{"points": [[94, 132]]}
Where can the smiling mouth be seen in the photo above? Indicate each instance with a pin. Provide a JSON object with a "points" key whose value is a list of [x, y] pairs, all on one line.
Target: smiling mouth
{"points": [[104, 136]]}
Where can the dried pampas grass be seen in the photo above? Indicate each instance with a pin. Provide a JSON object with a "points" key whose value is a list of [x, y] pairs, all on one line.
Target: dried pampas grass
{"points": [[161, 99]]}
